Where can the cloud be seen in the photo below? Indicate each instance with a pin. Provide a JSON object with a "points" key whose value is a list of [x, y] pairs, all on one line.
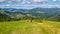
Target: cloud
{"points": [[8, 5], [49, 6], [23, 2], [54, 0], [9, 1], [26, 2], [58, 0], [12, 0], [29, 2], [2, 0], [40, 0], [29, 6], [16, 0]]}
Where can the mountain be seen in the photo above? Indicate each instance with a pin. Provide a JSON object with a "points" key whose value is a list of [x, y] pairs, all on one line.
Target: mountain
{"points": [[47, 10], [35, 12], [47, 13]]}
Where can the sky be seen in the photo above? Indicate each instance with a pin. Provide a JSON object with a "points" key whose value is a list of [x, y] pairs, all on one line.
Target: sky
{"points": [[29, 4]]}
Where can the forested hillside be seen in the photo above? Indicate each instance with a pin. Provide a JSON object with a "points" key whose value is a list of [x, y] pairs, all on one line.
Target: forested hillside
{"points": [[11, 14]]}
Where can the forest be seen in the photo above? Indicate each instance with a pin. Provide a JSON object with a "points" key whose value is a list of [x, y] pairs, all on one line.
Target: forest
{"points": [[23, 14]]}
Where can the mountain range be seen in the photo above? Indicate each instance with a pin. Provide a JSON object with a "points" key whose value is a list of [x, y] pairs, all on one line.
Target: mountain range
{"points": [[37, 12], [46, 10]]}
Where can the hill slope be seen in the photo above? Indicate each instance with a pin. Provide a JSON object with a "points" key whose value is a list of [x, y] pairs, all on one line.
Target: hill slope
{"points": [[23, 27]]}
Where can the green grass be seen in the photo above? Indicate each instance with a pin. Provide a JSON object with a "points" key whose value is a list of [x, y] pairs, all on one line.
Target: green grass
{"points": [[55, 24], [24, 27]]}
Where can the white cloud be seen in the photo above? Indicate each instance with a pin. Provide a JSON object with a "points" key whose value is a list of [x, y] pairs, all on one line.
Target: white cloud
{"points": [[37, 0], [58, 0], [30, 6], [54, 0], [34, 0], [28, 2], [12, 0], [50, 6], [40, 0], [9, 1], [8, 5], [16, 0], [23, 2], [2, 0]]}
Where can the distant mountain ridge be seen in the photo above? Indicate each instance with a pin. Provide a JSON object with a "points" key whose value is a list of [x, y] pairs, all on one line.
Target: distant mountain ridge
{"points": [[27, 9], [47, 10]]}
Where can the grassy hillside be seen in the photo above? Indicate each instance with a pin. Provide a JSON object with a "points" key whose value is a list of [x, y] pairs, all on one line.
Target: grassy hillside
{"points": [[24, 27]]}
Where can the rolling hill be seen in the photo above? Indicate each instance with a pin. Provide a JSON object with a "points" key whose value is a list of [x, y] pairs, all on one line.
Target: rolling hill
{"points": [[46, 13]]}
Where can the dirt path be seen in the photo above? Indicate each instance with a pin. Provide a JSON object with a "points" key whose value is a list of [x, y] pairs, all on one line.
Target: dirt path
{"points": [[51, 29]]}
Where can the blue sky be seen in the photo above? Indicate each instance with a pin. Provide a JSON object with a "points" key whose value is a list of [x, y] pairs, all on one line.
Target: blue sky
{"points": [[29, 4]]}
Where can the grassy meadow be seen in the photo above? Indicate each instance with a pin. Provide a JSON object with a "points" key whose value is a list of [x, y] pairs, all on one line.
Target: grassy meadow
{"points": [[24, 27]]}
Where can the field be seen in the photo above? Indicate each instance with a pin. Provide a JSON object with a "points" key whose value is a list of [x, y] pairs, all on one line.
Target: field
{"points": [[24, 27]]}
